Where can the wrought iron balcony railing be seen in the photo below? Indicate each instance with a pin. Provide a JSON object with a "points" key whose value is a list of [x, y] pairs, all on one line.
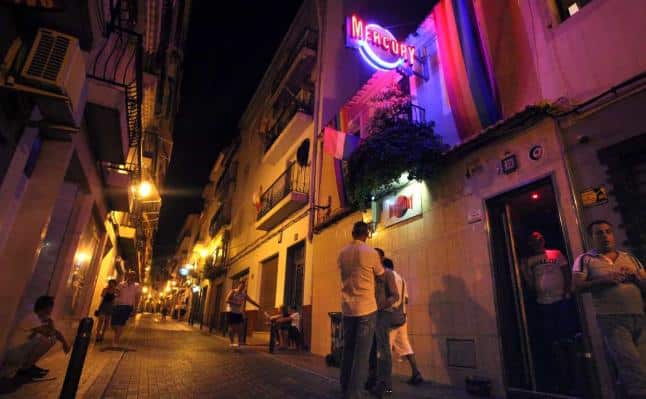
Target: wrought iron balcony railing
{"points": [[294, 179], [303, 101], [309, 39]]}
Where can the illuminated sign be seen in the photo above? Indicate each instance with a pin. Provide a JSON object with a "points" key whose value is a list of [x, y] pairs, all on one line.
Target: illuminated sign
{"points": [[402, 205], [378, 46]]}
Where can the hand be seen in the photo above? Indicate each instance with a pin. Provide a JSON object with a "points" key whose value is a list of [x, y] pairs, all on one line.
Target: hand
{"points": [[66, 347], [614, 278]]}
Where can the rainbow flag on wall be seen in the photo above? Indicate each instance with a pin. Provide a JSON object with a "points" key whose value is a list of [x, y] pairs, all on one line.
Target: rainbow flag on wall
{"points": [[339, 144], [467, 71]]}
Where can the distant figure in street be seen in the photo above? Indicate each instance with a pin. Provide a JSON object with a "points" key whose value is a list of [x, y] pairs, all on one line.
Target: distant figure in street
{"points": [[380, 372], [236, 300], [399, 342], [104, 313], [358, 265], [32, 339], [616, 280], [127, 301], [547, 273]]}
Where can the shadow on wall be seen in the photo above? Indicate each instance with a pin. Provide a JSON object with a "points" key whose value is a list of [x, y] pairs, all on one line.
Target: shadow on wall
{"points": [[456, 319]]}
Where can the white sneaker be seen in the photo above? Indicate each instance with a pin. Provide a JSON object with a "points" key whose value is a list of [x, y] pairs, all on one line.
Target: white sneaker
{"points": [[233, 345]]}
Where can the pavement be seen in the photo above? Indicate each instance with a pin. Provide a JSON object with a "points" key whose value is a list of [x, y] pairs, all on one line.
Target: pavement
{"points": [[168, 359]]}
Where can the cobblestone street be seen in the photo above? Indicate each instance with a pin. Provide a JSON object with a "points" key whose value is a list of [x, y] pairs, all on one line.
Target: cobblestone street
{"points": [[167, 359]]}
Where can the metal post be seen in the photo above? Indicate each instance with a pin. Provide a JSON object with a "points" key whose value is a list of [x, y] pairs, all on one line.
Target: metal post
{"points": [[77, 359]]}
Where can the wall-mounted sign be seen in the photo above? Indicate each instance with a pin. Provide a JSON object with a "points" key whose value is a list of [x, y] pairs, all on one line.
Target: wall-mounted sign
{"points": [[474, 216], [594, 196], [378, 46], [536, 152], [46, 4], [403, 205], [509, 164]]}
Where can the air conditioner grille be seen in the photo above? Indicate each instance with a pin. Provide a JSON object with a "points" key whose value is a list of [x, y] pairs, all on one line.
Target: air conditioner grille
{"points": [[49, 56]]}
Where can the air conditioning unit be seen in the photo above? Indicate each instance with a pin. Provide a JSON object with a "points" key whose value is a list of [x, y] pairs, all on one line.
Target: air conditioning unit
{"points": [[55, 63]]}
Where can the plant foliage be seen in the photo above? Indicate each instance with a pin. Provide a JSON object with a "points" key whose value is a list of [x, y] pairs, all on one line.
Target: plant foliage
{"points": [[396, 145]]}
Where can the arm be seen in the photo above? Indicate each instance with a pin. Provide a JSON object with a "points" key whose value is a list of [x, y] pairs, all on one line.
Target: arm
{"points": [[392, 290], [527, 274], [254, 303], [61, 338], [581, 282]]}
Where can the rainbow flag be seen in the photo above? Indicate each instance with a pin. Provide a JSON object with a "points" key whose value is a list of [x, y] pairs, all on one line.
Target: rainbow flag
{"points": [[467, 71], [339, 144]]}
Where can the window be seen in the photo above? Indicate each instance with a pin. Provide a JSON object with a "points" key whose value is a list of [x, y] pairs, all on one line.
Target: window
{"points": [[567, 8]]}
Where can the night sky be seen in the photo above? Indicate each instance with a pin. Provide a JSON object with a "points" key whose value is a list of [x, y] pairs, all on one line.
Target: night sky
{"points": [[227, 53]]}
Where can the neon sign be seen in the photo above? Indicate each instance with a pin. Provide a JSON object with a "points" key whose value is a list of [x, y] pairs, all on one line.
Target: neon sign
{"points": [[378, 47]]}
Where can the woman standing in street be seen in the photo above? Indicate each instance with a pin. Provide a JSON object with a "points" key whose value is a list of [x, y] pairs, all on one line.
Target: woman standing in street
{"points": [[104, 312], [236, 299]]}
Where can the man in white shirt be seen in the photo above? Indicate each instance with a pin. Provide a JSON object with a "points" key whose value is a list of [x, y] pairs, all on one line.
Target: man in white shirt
{"points": [[399, 342], [359, 264], [616, 280], [547, 273], [126, 302], [31, 340]]}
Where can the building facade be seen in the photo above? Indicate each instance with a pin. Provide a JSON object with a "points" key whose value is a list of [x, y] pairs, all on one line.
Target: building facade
{"points": [[86, 115], [538, 108]]}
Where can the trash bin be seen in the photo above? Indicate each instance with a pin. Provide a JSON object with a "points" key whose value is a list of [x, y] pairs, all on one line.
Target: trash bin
{"points": [[333, 359]]}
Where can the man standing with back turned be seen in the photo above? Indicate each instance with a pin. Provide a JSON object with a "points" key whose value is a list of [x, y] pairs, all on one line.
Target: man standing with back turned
{"points": [[616, 279], [358, 264]]}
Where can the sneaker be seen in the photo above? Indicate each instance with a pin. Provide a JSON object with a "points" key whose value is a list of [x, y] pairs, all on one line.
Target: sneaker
{"points": [[234, 345]]}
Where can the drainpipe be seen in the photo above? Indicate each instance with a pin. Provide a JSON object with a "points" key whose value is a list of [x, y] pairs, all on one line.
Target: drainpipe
{"points": [[320, 12]]}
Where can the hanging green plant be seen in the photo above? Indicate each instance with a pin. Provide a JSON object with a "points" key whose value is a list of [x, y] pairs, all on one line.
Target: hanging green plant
{"points": [[396, 145]]}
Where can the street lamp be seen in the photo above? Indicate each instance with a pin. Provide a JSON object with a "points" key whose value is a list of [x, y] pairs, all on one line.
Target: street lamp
{"points": [[145, 189]]}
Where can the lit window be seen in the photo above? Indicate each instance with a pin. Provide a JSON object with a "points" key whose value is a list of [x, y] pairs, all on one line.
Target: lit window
{"points": [[567, 8]]}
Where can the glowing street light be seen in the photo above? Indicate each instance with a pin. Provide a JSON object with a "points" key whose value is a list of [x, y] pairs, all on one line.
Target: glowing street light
{"points": [[144, 290], [145, 189], [82, 257]]}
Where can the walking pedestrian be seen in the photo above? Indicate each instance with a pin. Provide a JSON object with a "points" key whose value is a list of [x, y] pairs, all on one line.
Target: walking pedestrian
{"points": [[380, 372], [126, 302], [399, 342], [236, 300], [358, 265], [104, 312], [616, 280]]}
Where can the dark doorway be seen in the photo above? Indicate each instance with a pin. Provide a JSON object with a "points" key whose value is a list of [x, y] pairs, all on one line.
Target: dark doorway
{"points": [[541, 356], [295, 275], [217, 308], [267, 300]]}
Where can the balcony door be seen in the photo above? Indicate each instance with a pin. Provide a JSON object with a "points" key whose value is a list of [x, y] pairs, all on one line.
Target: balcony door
{"points": [[295, 275], [267, 299]]}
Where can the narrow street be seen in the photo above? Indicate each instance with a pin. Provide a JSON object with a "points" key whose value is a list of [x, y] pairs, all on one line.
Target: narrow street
{"points": [[167, 359]]}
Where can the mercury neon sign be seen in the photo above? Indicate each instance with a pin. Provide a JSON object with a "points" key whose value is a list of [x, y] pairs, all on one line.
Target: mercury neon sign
{"points": [[378, 47]]}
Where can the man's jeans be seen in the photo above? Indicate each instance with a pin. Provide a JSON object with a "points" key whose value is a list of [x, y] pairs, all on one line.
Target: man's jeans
{"points": [[625, 337], [381, 365], [358, 333]]}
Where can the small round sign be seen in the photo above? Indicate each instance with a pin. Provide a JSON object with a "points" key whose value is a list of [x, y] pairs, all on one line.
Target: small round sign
{"points": [[536, 152]]}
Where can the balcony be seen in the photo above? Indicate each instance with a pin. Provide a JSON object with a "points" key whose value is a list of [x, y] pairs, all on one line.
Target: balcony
{"points": [[298, 64], [290, 124], [286, 195], [117, 180]]}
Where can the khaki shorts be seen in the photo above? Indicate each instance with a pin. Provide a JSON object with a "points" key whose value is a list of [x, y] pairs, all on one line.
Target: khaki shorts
{"points": [[399, 343]]}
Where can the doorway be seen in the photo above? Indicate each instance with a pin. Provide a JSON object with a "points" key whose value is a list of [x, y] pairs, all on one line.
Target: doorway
{"points": [[267, 300], [295, 275], [541, 347]]}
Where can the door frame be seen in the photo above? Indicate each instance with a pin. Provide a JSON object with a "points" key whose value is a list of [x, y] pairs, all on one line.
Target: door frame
{"points": [[550, 178]]}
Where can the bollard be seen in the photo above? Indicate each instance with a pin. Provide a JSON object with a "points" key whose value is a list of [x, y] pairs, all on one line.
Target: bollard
{"points": [[77, 359]]}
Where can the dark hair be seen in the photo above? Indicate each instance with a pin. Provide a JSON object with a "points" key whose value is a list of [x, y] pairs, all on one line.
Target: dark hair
{"points": [[359, 229], [112, 281], [596, 222], [388, 263], [381, 252], [43, 302]]}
